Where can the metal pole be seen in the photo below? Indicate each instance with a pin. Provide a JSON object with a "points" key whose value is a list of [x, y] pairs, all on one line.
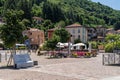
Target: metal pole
{"points": [[108, 58], [114, 58], [103, 59], [119, 58], [69, 48], [0, 57]]}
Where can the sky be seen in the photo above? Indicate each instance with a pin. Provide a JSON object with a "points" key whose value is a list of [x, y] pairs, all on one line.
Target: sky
{"points": [[115, 4]]}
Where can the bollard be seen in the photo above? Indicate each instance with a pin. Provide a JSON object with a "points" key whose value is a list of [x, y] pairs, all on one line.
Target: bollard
{"points": [[0, 57]]}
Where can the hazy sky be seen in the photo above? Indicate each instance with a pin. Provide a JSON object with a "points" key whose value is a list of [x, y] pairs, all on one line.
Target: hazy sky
{"points": [[115, 4]]}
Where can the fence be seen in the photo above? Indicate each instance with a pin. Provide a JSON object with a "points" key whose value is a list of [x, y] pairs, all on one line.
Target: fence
{"points": [[5, 54], [111, 58]]}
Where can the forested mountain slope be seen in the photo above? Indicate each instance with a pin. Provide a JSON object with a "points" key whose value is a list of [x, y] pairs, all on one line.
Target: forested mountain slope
{"points": [[85, 12]]}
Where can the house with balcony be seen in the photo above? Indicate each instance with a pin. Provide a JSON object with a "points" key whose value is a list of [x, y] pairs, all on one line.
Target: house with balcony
{"points": [[91, 31], [35, 36], [96, 33], [77, 31]]}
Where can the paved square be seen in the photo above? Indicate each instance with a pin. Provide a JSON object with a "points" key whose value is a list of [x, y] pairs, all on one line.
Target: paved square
{"points": [[64, 69]]}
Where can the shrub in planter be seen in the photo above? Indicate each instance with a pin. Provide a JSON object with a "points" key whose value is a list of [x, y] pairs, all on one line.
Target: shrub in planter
{"points": [[94, 53], [109, 47], [74, 55], [87, 55]]}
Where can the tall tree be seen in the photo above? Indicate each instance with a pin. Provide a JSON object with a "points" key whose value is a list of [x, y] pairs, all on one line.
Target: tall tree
{"points": [[117, 25], [26, 6], [52, 11], [11, 31], [63, 34], [10, 4]]}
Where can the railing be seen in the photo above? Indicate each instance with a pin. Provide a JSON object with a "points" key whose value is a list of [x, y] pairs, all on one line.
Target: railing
{"points": [[111, 58]]}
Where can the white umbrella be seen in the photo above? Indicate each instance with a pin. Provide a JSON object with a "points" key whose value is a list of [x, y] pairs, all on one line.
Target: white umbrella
{"points": [[79, 44], [59, 44]]}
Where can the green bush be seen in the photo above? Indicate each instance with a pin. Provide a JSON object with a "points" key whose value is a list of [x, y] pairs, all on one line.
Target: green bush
{"points": [[94, 45], [109, 47]]}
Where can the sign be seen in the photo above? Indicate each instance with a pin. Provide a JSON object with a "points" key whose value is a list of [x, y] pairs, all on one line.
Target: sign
{"points": [[27, 42]]}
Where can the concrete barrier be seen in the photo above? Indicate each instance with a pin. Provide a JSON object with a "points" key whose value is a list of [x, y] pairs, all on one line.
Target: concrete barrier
{"points": [[22, 60]]}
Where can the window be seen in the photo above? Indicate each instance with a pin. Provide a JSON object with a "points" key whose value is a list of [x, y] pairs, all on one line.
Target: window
{"points": [[73, 31], [78, 36], [78, 30]]}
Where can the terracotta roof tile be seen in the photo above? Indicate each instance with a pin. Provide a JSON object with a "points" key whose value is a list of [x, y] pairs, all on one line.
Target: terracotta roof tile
{"points": [[38, 18], [73, 25]]}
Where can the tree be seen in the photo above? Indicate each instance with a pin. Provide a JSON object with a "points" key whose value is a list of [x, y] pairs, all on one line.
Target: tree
{"points": [[52, 11], [60, 35], [77, 41], [26, 7], [10, 4], [113, 42], [11, 31], [63, 34], [51, 44], [117, 25], [112, 37]]}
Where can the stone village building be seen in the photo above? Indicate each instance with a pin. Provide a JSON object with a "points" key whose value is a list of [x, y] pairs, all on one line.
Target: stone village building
{"points": [[35, 36], [83, 33]]}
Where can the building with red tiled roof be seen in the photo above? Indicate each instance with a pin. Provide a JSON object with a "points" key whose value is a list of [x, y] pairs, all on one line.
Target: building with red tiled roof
{"points": [[73, 25], [35, 36], [50, 33], [77, 31], [118, 31], [38, 20], [96, 33], [110, 31]]}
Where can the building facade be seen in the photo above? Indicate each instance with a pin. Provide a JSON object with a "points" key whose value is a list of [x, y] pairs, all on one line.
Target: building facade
{"points": [[35, 36], [96, 33], [50, 33], [77, 31]]}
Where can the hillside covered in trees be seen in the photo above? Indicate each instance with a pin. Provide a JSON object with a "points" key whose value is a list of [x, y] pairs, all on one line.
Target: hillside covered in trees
{"points": [[67, 12]]}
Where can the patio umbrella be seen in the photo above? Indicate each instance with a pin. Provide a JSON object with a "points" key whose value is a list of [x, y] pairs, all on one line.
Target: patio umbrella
{"points": [[60, 45]]}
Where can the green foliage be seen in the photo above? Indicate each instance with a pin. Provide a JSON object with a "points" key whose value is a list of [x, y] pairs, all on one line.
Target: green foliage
{"points": [[61, 24], [112, 42], [70, 11], [52, 12], [36, 10], [26, 7], [74, 55], [51, 44], [11, 31], [94, 44], [112, 37], [10, 4], [60, 35], [109, 47], [82, 11], [63, 34], [117, 25], [77, 41]]}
